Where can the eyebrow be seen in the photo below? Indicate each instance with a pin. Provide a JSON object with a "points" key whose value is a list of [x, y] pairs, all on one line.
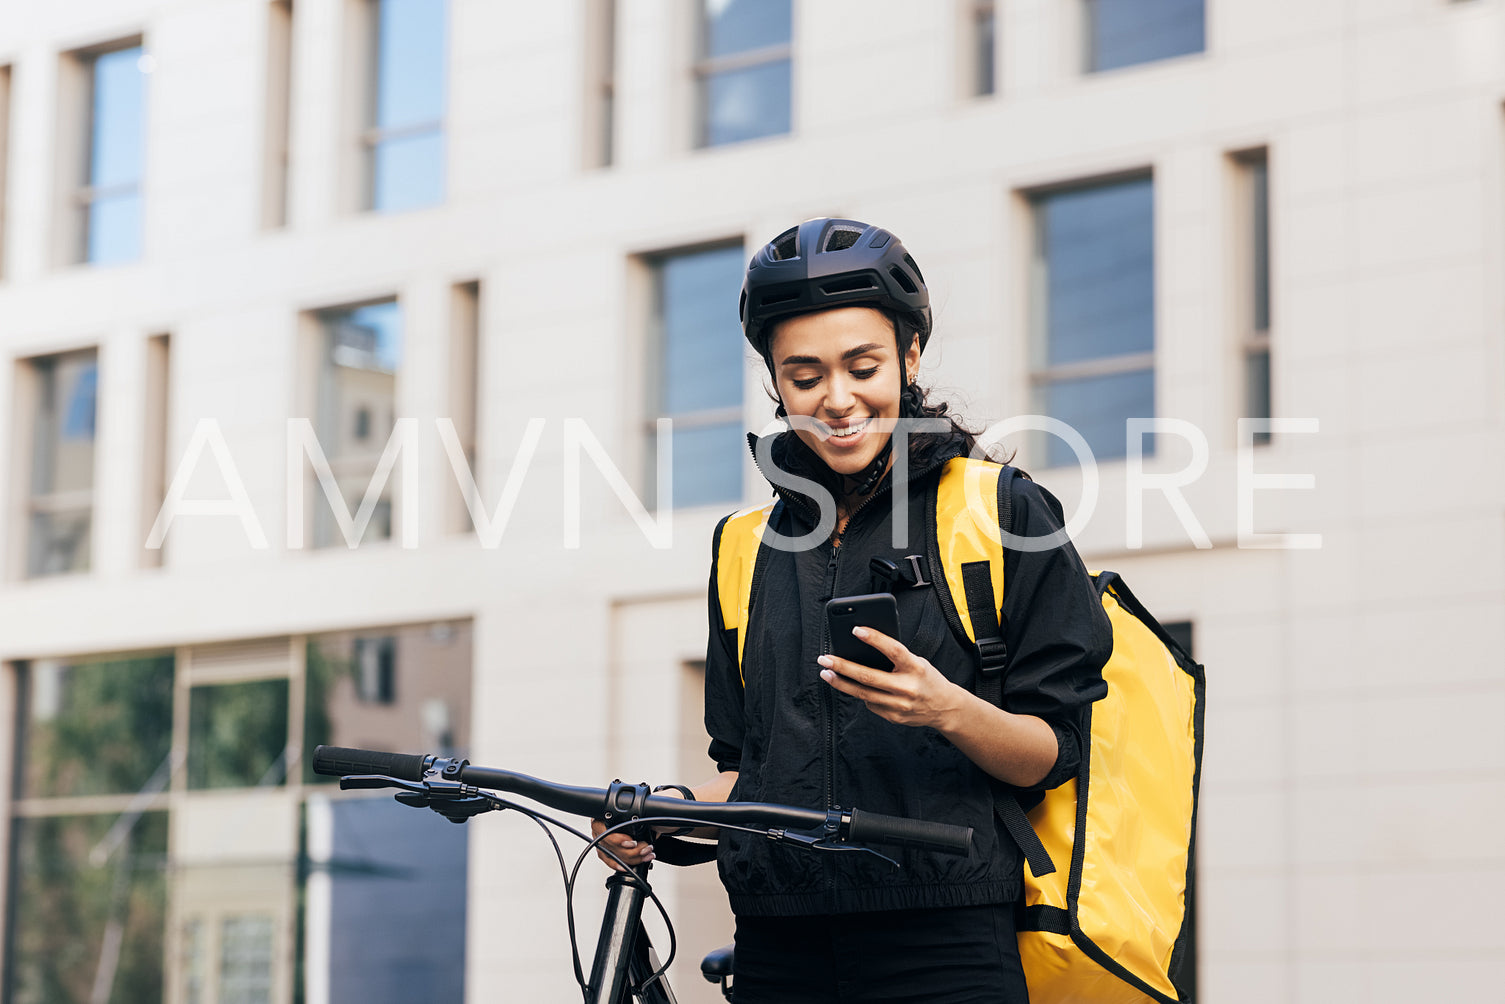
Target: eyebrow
{"points": [[853, 353]]}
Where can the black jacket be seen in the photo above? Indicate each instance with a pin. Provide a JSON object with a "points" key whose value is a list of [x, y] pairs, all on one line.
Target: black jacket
{"points": [[794, 739]]}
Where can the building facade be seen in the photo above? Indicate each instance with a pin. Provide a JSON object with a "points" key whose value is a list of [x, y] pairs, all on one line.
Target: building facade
{"points": [[339, 336]]}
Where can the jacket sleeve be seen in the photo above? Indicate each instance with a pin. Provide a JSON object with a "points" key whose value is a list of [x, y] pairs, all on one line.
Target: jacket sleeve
{"points": [[1056, 630], [723, 678]]}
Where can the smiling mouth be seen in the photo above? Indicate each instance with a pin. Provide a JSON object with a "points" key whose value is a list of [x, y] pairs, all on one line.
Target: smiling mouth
{"points": [[849, 431]]}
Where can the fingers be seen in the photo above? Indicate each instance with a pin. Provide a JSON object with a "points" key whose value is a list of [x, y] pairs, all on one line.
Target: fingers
{"points": [[632, 852]]}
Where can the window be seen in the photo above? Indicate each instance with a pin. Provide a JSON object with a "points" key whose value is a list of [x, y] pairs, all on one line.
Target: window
{"points": [[89, 837], [1093, 312], [601, 84], [61, 497], [277, 124], [1126, 32], [249, 903], [1252, 230], [360, 351], [744, 69], [699, 372], [404, 135], [982, 26], [109, 199]]}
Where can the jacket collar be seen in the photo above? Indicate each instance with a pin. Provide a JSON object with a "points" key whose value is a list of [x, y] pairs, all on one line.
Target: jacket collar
{"points": [[793, 459]]}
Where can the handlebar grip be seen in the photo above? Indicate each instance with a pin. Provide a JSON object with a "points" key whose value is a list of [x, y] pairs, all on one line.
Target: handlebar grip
{"points": [[872, 828], [340, 761]]}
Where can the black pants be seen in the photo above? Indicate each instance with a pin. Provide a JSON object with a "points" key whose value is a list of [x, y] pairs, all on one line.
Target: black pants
{"points": [[961, 955]]}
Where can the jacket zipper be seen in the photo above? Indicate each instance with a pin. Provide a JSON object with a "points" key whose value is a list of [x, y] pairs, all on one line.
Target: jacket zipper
{"points": [[830, 588]]}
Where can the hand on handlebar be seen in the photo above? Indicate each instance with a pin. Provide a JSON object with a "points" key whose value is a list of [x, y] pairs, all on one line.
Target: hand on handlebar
{"points": [[634, 852]]}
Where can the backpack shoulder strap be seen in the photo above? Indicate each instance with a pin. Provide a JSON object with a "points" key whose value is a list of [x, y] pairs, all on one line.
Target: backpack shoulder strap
{"points": [[973, 498], [739, 541], [967, 512]]}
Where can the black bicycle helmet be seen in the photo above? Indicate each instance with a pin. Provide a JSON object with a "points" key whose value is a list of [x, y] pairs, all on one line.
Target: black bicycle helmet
{"points": [[830, 263]]}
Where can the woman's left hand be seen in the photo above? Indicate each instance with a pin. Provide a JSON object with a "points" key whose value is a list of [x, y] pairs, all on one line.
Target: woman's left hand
{"points": [[913, 693]]}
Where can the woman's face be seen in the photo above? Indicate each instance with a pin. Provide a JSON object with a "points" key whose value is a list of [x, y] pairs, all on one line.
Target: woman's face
{"points": [[841, 368]]}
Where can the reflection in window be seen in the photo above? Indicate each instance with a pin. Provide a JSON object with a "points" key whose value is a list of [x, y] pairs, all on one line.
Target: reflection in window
{"points": [[95, 728], [378, 872], [405, 128], [245, 959], [1093, 313], [425, 672], [61, 500], [111, 194], [700, 372], [237, 733], [744, 70], [89, 909], [1125, 32], [1253, 230], [357, 411]]}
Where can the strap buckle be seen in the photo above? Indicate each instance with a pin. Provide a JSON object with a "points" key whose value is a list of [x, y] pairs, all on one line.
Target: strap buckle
{"points": [[992, 656]]}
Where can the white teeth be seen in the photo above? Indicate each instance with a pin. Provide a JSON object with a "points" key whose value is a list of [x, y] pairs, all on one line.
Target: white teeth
{"points": [[850, 430]]}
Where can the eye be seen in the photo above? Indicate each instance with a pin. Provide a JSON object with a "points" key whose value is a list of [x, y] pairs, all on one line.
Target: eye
{"points": [[807, 384], [866, 374]]}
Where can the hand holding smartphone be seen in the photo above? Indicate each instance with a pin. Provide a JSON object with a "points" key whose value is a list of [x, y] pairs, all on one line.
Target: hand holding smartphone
{"points": [[878, 611]]}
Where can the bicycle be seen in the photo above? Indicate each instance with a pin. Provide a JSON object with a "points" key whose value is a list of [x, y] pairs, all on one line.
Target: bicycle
{"points": [[625, 968]]}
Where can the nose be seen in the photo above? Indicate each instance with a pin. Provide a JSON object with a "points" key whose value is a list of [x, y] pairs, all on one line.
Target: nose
{"points": [[840, 398]]}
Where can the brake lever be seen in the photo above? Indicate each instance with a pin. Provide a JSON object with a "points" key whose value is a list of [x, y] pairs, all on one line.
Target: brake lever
{"points": [[378, 781], [824, 841]]}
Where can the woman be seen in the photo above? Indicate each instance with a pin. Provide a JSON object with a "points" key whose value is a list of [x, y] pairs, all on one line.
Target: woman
{"points": [[840, 314]]}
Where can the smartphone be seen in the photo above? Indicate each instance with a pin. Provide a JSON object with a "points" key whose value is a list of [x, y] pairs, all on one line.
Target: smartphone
{"points": [[878, 611]]}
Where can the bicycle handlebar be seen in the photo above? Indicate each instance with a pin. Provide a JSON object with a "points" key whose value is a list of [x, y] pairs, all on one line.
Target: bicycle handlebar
{"points": [[626, 801]]}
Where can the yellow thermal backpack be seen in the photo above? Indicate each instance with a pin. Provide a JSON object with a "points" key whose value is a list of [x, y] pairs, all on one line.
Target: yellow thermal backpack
{"points": [[1114, 927]]}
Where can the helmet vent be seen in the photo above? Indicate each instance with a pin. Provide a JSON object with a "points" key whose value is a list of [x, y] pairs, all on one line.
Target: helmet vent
{"points": [[915, 268], [841, 238], [849, 284], [903, 280], [772, 299], [786, 245]]}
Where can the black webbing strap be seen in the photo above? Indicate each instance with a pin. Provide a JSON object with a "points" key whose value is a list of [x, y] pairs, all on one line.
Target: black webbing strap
{"points": [[983, 609], [1050, 919]]}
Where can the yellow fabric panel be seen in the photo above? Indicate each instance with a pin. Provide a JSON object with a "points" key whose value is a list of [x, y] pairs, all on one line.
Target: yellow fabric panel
{"points": [[974, 527], [1054, 820], [1058, 973], [740, 537], [1142, 812]]}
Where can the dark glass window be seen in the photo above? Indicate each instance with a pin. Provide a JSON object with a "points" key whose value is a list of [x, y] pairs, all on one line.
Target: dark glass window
{"points": [[357, 411], [1125, 32], [95, 728], [406, 131], [744, 70], [89, 909], [1093, 308], [405, 689], [111, 197], [237, 734], [391, 871], [61, 499], [701, 367]]}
